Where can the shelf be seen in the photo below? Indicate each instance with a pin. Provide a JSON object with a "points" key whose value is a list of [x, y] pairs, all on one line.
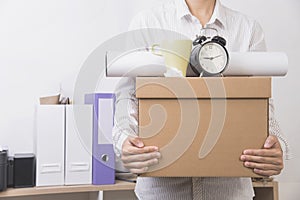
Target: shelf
{"points": [[266, 190], [15, 192], [120, 185], [265, 184]]}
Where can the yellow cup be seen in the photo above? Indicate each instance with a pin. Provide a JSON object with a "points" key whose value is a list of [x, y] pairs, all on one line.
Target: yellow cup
{"points": [[176, 53]]}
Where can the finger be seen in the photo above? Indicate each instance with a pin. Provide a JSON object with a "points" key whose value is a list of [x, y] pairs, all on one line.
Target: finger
{"points": [[270, 141], [266, 172], [131, 150], [264, 152], [141, 157], [260, 159], [141, 165], [262, 166], [136, 142], [139, 171]]}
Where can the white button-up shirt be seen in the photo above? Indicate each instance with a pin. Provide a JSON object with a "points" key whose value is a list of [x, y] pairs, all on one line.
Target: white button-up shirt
{"points": [[242, 34]]}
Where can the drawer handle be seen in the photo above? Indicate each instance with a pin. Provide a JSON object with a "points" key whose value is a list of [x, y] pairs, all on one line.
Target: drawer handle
{"points": [[51, 168], [78, 167]]}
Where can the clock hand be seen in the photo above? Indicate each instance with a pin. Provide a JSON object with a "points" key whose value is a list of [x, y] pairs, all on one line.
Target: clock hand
{"points": [[209, 58], [217, 56]]}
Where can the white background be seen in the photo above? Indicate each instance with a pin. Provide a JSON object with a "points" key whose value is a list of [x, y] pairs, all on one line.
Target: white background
{"points": [[43, 43]]}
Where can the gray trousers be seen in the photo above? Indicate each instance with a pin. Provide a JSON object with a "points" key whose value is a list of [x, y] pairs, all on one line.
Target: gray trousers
{"points": [[194, 188]]}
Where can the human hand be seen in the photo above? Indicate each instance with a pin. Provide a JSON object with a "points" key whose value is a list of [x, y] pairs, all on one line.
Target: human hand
{"points": [[267, 161], [137, 157]]}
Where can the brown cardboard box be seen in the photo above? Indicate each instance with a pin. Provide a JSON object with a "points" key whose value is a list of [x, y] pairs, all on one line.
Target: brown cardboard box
{"points": [[202, 125]]}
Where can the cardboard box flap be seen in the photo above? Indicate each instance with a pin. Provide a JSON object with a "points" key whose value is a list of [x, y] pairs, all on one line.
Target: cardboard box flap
{"points": [[208, 87]]}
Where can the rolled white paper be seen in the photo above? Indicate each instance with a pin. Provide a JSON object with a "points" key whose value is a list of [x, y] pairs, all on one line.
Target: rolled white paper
{"points": [[133, 64], [257, 64], [145, 63]]}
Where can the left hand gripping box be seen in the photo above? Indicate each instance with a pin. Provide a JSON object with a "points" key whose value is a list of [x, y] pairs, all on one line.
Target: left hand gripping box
{"points": [[49, 145]]}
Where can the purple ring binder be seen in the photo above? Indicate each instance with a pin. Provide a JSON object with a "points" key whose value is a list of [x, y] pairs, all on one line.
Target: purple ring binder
{"points": [[103, 162]]}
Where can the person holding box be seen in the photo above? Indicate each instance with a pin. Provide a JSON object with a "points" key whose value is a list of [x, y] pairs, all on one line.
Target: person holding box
{"points": [[243, 34]]}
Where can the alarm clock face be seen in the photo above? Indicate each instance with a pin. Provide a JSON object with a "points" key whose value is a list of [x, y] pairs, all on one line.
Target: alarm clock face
{"points": [[213, 58]]}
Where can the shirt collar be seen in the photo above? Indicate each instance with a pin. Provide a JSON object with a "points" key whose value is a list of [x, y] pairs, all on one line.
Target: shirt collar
{"points": [[182, 9], [218, 14]]}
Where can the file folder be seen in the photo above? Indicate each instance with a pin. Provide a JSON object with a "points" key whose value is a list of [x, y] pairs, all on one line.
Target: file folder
{"points": [[78, 150], [49, 145], [103, 161]]}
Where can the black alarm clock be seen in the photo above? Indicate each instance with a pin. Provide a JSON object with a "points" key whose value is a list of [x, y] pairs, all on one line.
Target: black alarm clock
{"points": [[209, 57]]}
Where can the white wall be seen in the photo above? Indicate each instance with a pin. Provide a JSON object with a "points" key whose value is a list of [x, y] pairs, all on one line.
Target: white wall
{"points": [[42, 46], [44, 43]]}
